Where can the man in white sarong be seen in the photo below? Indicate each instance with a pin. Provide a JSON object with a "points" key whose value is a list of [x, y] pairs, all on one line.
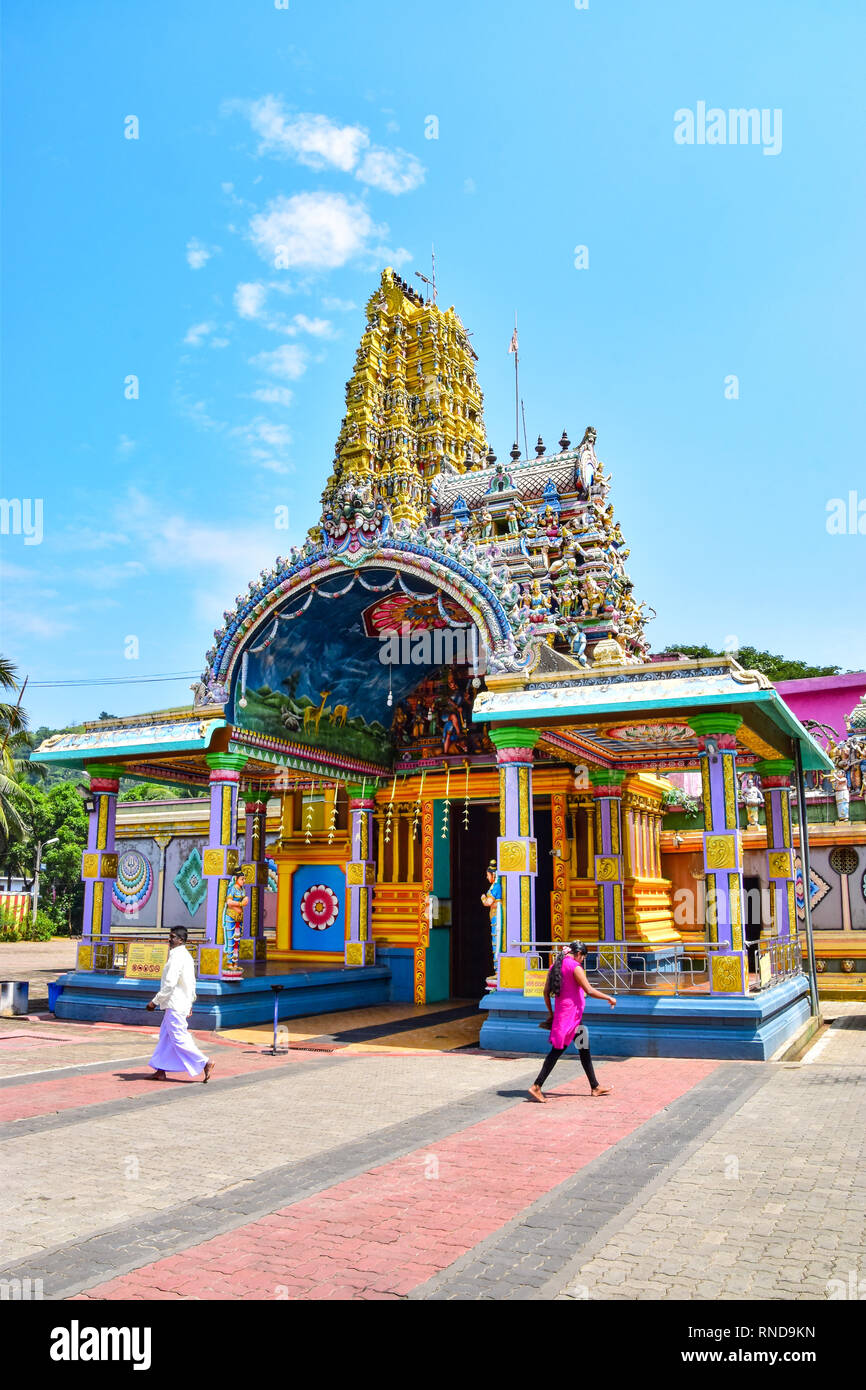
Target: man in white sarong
{"points": [[177, 1049]]}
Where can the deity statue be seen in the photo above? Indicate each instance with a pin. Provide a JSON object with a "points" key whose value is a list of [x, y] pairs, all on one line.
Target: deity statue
{"points": [[587, 464], [577, 643], [752, 799], [842, 794], [232, 924]]}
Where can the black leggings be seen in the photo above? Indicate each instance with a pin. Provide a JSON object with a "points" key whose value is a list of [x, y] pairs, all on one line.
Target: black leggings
{"points": [[553, 1057]]}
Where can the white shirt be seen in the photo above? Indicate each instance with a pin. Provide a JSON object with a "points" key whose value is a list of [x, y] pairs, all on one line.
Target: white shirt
{"points": [[177, 983]]}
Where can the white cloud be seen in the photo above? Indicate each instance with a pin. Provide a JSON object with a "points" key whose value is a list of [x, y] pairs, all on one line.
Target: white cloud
{"points": [[468, 185], [250, 299], [287, 361], [317, 328], [196, 334], [273, 395], [320, 143], [125, 446], [265, 444], [315, 141], [393, 171], [197, 254], [338, 306], [319, 231]]}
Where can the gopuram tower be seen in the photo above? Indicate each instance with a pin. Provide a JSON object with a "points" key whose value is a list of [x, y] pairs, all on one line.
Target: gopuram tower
{"points": [[413, 405]]}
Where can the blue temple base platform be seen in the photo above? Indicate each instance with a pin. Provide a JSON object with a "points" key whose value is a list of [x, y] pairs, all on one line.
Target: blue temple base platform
{"points": [[728, 1027], [91, 996]]}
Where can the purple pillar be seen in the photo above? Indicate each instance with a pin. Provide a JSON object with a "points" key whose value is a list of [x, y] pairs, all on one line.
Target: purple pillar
{"points": [[775, 777], [99, 859], [723, 855], [256, 872], [516, 853], [360, 876], [220, 857], [607, 867]]}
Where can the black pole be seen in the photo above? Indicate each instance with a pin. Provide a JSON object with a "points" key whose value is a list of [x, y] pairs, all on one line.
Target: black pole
{"points": [[277, 990], [807, 875]]}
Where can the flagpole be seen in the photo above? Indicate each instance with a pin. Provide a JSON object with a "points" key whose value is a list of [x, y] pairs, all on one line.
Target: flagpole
{"points": [[516, 387]]}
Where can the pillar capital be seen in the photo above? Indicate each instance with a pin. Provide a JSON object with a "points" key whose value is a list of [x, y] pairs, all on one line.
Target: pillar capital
{"points": [[606, 782], [362, 794], [225, 763], [109, 786], [716, 724], [514, 745], [104, 777], [775, 772]]}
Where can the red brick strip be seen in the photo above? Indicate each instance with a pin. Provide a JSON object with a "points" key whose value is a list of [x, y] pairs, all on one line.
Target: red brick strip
{"points": [[34, 1098], [380, 1235]]}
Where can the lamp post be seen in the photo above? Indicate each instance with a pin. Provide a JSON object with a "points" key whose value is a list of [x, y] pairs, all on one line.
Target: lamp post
{"points": [[40, 845]]}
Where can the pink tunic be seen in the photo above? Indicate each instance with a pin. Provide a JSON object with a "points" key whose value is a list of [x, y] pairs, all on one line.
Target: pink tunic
{"points": [[568, 1010]]}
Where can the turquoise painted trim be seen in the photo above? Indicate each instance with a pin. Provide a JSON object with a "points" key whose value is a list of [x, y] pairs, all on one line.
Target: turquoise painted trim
{"points": [[77, 757], [814, 757]]}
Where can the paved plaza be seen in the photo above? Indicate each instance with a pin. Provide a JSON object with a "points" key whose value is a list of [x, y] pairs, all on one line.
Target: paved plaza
{"points": [[385, 1156]]}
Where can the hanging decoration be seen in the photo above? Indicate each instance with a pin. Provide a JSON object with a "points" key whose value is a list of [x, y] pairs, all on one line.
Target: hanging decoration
{"points": [[417, 811], [446, 804], [308, 818], [389, 811], [466, 798], [332, 828]]}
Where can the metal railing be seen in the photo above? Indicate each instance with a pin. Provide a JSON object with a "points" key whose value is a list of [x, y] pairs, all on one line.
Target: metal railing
{"points": [[624, 968], [778, 958]]}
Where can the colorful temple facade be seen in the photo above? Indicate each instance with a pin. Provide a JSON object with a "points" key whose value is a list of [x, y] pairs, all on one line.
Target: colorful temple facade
{"points": [[452, 671]]}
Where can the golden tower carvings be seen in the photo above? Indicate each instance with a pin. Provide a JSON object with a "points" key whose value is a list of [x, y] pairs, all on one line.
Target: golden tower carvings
{"points": [[413, 404]]}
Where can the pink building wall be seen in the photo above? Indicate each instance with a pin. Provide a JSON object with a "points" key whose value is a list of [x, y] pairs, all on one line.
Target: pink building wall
{"points": [[825, 698]]}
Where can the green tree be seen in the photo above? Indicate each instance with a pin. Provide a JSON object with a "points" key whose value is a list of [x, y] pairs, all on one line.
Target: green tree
{"points": [[149, 791], [59, 815], [771, 665]]}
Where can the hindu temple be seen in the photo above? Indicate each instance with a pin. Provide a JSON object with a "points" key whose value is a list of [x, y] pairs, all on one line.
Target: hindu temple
{"points": [[447, 693]]}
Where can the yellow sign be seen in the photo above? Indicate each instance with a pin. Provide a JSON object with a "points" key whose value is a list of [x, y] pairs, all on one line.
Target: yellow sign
{"points": [[533, 984], [144, 961], [765, 971]]}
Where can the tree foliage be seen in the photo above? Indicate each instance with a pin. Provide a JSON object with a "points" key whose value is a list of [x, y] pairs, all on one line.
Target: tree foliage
{"points": [[771, 665]]}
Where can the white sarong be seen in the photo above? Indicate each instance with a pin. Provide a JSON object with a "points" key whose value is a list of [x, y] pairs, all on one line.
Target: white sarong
{"points": [[176, 1049]]}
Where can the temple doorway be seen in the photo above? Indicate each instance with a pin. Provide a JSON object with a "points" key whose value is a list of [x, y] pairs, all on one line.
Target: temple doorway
{"points": [[471, 851]]}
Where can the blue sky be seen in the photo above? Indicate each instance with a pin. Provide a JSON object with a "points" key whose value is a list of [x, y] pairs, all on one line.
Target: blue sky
{"points": [[307, 127]]}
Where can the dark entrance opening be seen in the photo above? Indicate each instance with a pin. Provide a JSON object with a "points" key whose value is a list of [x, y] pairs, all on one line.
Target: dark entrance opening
{"points": [[471, 852], [752, 918]]}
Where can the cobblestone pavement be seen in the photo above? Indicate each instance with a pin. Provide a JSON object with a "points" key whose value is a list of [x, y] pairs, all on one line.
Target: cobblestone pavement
{"points": [[427, 1174]]}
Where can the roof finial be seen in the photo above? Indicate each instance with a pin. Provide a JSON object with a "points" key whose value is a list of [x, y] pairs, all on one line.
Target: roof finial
{"points": [[515, 452], [539, 447], [564, 442]]}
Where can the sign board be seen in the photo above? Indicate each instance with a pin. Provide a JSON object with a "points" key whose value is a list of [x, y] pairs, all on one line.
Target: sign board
{"points": [[765, 972], [533, 984], [144, 960]]}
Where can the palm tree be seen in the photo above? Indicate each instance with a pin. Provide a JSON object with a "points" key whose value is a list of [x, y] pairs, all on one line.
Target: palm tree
{"points": [[13, 742]]}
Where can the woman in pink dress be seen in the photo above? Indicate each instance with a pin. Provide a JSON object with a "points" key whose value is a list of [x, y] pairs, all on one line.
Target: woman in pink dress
{"points": [[567, 980]]}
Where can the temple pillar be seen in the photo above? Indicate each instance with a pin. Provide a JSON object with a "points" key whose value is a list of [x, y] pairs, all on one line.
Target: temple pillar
{"points": [[559, 916], [99, 859], [256, 872], [516, 853], [608, 857], [360, 948], [723, 858], [220, 858], [775, 775]]}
